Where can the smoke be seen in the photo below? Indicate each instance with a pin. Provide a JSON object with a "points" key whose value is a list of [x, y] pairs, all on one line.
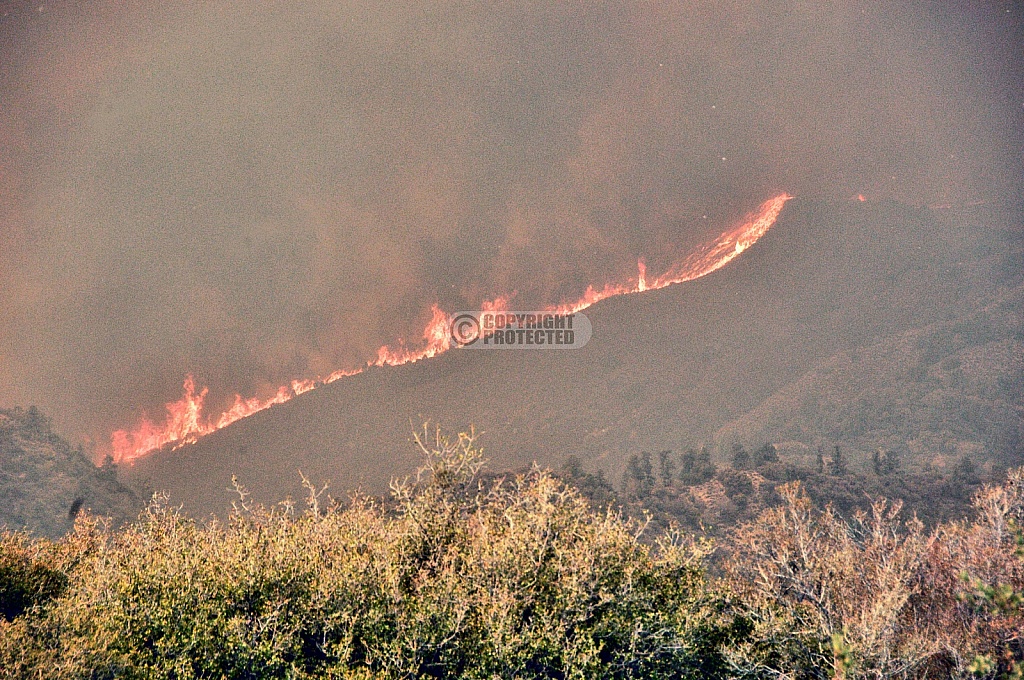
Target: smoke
{"points": [[255, 192]]}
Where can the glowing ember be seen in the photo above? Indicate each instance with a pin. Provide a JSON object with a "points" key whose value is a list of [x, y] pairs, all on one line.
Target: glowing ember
{"points": [[184, 425]]}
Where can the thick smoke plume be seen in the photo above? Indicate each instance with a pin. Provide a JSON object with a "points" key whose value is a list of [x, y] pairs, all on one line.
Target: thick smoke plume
{"points": [[255, 192]]}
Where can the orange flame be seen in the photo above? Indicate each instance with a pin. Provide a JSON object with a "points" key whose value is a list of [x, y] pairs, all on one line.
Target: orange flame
{"points": [[437, 336], [703, 261], [498, 304], [341, 373], [727, 248], [243, 408], [183, 424]]}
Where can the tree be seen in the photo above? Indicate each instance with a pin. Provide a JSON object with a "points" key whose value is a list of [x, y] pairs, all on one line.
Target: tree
{"points": [[819, 462], [766, 454], [638, 481], [35, 422], [592, 485], [572, 468], [740, 457], [891, 462], [666, 467], [965, 474], [839, 466], [696, 467], [884, 462], [108, 470]]}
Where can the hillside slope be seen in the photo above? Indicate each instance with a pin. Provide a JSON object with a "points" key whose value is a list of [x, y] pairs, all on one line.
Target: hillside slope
{"points": [[933, 394], [664, 370], [44, 482]]}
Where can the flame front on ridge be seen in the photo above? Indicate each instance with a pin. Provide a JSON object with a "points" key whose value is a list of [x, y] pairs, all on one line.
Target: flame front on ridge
{"points": [[184, 424]]}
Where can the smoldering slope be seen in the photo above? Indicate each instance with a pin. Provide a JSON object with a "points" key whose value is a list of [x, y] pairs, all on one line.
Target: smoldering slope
{"points": [[256, 192]]}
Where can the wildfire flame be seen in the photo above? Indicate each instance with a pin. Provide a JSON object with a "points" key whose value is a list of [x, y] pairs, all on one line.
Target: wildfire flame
{"points": [[184, 424], [436, 335], [706, 259]]}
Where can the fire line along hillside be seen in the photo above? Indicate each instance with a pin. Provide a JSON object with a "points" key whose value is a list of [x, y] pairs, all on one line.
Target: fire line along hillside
{"points": [[669, 369]]}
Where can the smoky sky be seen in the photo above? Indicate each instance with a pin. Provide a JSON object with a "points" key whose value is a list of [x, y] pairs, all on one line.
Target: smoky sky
{"points": [[255, 192]]}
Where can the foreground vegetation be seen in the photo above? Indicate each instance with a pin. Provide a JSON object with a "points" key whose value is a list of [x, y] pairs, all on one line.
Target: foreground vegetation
{"points": [[458, 576]]}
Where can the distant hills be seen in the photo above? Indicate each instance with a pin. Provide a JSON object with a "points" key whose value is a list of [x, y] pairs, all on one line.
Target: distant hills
{"points": [[44, 482], [933, 394], [864, 324]]}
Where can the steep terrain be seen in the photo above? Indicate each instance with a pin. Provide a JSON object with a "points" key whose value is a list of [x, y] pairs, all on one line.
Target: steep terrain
{"points": [[664, 370], [934, 395], [44, 482]]}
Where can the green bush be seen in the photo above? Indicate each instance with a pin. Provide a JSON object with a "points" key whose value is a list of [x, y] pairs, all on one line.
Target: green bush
{"points": [[458, 575], [26, 580], [454, 578]]}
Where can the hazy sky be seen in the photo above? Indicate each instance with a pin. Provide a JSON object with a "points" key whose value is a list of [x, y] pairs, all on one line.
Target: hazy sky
{"points": [[254, 192]]}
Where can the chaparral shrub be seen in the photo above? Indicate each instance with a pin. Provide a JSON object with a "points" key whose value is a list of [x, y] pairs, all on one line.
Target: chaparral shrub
{"points": [[459, 575], [453, 578], [878, 597]]}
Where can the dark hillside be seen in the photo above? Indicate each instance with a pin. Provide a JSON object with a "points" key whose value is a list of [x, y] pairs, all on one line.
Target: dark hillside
{"points": [[935, 395], [664, 370]]}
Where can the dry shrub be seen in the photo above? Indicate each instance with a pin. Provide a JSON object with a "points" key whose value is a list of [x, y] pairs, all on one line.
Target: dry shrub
{"points": [[876, 597], [457, 577], [965, 560]]}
